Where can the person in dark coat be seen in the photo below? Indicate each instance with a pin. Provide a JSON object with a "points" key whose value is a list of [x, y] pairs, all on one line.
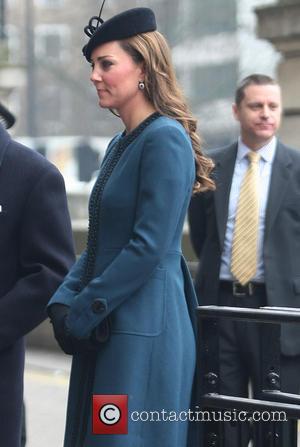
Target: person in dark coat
{"points": [[131, 288], [36, 252], [273, 243]]}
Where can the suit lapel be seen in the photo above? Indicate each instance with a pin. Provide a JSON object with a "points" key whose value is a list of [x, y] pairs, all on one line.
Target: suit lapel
{"points": [[223, 177], [4, 140], [281, 170]]}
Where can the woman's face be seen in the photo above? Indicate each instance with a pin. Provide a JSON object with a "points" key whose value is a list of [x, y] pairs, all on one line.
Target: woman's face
{"points": [[115, 76]]}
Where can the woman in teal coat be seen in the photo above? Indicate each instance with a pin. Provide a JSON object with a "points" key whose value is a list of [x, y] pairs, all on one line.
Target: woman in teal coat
{"points": [[126, 309]]}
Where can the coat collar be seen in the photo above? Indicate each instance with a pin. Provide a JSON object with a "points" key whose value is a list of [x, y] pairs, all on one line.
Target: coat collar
{"points": [[4, 141]]}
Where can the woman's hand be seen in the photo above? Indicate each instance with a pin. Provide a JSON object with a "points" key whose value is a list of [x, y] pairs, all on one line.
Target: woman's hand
{"points": [[69, 344]]}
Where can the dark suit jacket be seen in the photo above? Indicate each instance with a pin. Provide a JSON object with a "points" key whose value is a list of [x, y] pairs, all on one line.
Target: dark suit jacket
{"points": [[36, 251], [281, 250]]}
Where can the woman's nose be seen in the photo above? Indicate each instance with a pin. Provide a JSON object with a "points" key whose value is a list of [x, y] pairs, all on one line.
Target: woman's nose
{"points": [[95, 76]]}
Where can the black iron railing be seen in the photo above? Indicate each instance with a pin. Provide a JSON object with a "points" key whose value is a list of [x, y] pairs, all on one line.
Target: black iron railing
{"points": [[273, 400]]}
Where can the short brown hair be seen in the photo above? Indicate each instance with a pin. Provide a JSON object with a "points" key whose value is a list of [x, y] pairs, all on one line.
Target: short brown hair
{"points": [[254, 79]]}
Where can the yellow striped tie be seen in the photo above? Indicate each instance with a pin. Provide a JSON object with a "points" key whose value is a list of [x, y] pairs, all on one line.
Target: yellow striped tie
{"points": [[245, 238]]}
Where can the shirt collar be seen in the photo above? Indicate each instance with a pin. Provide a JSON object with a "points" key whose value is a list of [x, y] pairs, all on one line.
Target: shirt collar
{"points": [[266, 152]]}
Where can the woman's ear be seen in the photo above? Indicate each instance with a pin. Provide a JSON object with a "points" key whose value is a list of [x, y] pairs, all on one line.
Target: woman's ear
{"points": [[142, 68]]}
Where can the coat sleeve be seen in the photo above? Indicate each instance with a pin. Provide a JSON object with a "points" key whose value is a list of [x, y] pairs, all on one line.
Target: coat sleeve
{"points": [[71, 285], [166, 178], [46, 252], [197, 222], [69, 288]]}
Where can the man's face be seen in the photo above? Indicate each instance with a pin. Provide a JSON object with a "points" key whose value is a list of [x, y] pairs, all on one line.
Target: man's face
{"points": [[259, 114]]}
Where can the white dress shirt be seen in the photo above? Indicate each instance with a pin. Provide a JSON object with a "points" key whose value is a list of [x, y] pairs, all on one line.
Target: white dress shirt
{"points": [[267, 154]]}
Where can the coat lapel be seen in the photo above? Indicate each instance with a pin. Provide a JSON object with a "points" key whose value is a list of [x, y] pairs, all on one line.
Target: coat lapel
{"points": [[4, 140], [223, 177], [281, 170]]}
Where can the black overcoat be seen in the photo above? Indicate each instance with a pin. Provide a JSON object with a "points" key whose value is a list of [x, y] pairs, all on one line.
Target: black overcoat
{"points": [[36, 251]]}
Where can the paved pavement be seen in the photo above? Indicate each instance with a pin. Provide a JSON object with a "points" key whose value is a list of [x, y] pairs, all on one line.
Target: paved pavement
{"points": [[46, 387]]}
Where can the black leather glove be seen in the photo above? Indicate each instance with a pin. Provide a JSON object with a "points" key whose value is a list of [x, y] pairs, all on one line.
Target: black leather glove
{"points": [[69, 344]]}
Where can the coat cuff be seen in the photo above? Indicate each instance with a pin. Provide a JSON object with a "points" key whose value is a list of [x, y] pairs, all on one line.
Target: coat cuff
{"points": [[82, 319]]}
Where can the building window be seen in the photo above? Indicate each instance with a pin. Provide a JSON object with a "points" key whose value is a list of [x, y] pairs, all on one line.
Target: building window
{"points": [[12, 44], [53, 109], [52, 42], [217, 82]]}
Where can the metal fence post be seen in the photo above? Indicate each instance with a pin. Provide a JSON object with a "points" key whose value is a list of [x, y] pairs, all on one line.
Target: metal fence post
{"points": [[269, 433]]}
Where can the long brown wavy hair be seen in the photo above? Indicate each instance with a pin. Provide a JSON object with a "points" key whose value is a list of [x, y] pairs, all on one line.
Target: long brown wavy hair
{"points": [[163, 91]]}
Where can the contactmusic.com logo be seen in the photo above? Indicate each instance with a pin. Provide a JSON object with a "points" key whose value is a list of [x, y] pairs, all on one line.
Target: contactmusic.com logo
{"points": [[110, 414]]}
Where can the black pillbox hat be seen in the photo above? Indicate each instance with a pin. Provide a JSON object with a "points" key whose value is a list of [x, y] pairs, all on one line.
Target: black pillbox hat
{"points": [[121, 26]]}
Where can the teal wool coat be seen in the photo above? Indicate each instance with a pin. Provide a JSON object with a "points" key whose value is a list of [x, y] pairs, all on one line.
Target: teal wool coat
{"points": [[141, 283]]}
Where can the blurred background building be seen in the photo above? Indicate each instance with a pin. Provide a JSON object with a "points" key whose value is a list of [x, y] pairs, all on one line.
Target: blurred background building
{"points": [[47, 80], [44, 78], [280, 24]]}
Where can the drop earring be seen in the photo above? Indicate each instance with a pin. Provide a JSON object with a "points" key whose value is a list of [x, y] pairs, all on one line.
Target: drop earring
{"points": [[141, 85]]}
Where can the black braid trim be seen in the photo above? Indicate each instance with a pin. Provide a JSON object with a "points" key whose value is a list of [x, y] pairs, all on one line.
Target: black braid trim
{"points": [[97, 193]]}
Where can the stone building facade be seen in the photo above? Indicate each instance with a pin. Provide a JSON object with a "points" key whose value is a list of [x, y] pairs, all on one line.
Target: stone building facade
{"points": [[213, 46], [279, 23]]}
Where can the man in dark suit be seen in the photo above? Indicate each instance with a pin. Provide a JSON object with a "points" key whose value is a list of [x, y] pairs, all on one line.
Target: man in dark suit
{"points": [[247, 237], [36, 252]]}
